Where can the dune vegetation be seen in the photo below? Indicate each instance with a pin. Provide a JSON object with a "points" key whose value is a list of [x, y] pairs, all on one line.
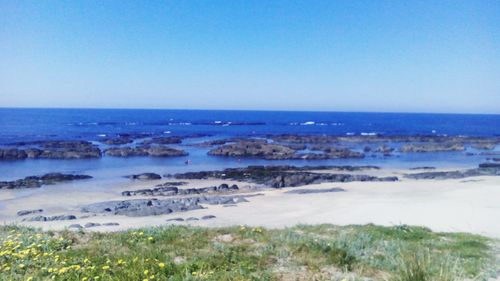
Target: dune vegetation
{"points": [[322, 252]]}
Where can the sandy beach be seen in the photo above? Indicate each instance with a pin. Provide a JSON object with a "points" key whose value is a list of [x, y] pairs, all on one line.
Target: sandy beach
{"points": [[454, 205]]}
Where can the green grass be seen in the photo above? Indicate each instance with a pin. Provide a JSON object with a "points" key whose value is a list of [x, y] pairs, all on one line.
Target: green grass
{"points": [[322, 252]]}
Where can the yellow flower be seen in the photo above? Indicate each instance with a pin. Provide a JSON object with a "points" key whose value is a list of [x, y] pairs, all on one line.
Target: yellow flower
{"points": [[161, 265], [150, 238], [21, 265], [29, 278], [146, 272], [106, 267]]}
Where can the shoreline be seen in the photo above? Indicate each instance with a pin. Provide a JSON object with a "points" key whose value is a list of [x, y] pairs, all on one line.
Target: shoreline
{"points": [[452, 205]]}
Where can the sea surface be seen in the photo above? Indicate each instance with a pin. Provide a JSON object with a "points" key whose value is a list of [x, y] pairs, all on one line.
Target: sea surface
{"points": [[201, 125]]}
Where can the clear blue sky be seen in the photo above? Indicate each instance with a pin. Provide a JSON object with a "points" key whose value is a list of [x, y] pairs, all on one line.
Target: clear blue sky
{"points": [[417, 56]]}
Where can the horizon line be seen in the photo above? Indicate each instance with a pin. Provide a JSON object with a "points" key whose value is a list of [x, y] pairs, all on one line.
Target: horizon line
{"points": [[248, 110]]}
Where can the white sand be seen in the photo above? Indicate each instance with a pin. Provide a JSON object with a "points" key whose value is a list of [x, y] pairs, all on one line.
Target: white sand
{"points": [[467, 205]]}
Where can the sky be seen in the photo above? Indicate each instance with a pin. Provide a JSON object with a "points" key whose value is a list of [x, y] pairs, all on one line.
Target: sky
{"points": [[390, 56]]}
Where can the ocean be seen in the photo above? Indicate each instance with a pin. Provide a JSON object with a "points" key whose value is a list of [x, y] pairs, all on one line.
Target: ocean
{"points": [[201, 125]]}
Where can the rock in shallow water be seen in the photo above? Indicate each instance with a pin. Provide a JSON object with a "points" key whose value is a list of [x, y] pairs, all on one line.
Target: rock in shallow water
{"points": [[152, 207], [145, 176], [29, 212], [52, 218], [38, 181]]}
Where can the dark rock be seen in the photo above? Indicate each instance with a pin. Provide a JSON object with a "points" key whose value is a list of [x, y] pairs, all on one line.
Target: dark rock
{"points": [[52, 218], [176, 219], [146, 207], [110, 224], [154, 151], [145, 176], [283, 176], [52, 150], [423, 168], [272, 151], [172, 191], [91, 224], [208, 217], [384, 149], [484, 169], [484, 146], [192, 219], [309, 191], [38, 181], [29, 212], [163, 140], [489, 165]]}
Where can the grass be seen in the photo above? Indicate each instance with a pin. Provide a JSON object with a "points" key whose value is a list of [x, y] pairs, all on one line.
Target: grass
{"points": [[322, 252]]}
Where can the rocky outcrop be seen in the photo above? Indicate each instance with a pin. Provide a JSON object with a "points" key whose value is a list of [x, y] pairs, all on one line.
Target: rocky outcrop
{"points": [[282, 176], [254, 149], [118, 141], [152, 207], [438, 147], [310, 191], [486, 169], [51, 150], [146, 150], [29, 212], [163, 140], [52, 218], [38, 181], [270, 151], [173, 191], [145, 176]]}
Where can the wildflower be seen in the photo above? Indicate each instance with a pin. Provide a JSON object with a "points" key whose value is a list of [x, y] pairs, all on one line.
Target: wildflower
{"points": [[161, 265], [146, 272], [21, 265], [106, 267], [150, 238]]}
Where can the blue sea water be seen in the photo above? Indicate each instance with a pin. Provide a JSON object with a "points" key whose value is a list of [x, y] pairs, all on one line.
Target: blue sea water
{"points": [[97, 124]]}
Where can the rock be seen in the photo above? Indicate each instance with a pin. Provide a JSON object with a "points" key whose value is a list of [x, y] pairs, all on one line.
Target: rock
{"points": [[489, 165], [52, 218], [172, 190], [29, 212], [309, 191], [38, 181], [432, 147], [111, 224], [52, 150], [496, 159], [485, 169], [76, 225], [423, 168], [192, 219], [208, 217], [176, 219], [282, 176], [154, 151], [271, 151], [151, 207], [163, 140], [145, 176], [91, 224]]}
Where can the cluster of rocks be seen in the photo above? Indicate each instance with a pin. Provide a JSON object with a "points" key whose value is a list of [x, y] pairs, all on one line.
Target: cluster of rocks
{"points": [[273, 151], [38, 181], [51, 150], [173, 191], [485, 169], [151, 207], [283, 176], [163, 140], [29, 212], [145, 150], [51, 218]]}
